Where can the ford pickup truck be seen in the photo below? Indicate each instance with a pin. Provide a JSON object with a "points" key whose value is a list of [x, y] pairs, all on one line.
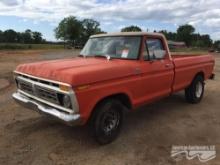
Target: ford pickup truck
{"points": [[114, 73]]}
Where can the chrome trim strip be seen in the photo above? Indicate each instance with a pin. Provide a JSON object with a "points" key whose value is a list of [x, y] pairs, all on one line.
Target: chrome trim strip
{"points": [[69, 119], [52, 81]]}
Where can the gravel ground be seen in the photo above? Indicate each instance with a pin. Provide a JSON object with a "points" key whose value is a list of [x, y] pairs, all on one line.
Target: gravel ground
{"points": [[146, 138]]}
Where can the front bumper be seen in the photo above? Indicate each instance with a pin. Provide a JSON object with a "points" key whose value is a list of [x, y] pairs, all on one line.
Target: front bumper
{"points": [[67, 118]]}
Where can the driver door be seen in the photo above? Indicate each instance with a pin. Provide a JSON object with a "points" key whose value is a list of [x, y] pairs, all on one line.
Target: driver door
{"points": [[157, 70]]}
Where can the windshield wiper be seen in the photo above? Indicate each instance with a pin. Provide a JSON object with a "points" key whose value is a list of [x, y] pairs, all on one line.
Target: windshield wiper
{"points": [[81, 55], [105, 56], [102, 56]]}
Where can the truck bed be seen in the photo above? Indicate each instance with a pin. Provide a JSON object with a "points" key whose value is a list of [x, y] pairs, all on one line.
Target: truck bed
{"points": [[181, 55], [187, 66]]}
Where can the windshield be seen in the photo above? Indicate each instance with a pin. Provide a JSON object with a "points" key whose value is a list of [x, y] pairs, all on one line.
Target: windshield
{"points": [[115, 47]]}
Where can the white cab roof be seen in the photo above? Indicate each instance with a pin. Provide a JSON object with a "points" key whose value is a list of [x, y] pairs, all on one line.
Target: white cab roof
{"points": [[127, 34]]}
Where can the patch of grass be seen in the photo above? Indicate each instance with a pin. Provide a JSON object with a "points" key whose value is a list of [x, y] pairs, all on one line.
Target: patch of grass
{"points": [[15, 46]]}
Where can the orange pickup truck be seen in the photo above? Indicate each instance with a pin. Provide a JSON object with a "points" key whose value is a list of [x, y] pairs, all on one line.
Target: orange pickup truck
{"points": [[114, 73]]}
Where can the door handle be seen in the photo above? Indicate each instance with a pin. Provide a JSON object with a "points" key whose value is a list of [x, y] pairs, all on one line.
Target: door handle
{"points": [[137, 71], [167, 65]]}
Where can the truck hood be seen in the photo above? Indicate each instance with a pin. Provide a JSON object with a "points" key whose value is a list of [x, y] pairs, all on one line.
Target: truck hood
{"points": [[79, 70]]}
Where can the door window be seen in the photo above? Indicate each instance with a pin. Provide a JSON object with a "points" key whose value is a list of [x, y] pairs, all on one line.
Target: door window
{"points": [[154, 49]]}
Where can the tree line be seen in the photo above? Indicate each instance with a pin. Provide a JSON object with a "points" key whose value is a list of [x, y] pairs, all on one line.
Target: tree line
{"points": [[26, 37], [185, 33], [77, 32]]}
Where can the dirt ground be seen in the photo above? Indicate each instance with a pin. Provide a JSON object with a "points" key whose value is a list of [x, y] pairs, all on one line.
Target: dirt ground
{"points": [[146, 138]]}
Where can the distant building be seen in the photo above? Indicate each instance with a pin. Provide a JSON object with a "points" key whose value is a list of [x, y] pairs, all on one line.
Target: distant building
{"points": [[175, 44]]}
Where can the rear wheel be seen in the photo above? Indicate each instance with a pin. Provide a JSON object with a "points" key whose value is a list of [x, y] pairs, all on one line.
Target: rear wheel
{"points": [[106, 121], [194, 93]]}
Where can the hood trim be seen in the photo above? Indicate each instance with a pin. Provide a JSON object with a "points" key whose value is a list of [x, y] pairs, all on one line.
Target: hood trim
{"points": [[52, 81]]}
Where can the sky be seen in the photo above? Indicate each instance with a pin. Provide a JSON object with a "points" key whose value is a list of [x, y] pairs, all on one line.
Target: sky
{"points": [[150, 15]]}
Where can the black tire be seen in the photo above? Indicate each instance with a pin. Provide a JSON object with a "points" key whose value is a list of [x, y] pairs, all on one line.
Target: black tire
{"points": [[194, 93], [106, 121]]}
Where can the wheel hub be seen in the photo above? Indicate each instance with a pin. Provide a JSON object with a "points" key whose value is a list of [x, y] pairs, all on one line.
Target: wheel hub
{"points": [[198, 89], [111, 121]]}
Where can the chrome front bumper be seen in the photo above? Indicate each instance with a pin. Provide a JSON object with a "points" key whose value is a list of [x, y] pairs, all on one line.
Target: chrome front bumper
{"points": [[67, 118]]}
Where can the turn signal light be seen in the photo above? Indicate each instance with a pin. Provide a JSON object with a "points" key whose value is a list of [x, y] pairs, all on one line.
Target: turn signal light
{"points": [[83, 87], [64, 87]]}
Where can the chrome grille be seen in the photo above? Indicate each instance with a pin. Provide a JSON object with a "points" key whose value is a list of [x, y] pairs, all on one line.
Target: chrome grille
{"points": [[47, 94], [38, 91], [25, 86]]}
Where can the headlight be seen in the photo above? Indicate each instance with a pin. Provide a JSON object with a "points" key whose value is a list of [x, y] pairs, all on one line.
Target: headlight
{"points": [[66, 101]]}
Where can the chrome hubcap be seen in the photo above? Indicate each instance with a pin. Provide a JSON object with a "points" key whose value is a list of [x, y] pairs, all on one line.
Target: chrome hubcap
{"points": [[198, 89], [111, 122]]}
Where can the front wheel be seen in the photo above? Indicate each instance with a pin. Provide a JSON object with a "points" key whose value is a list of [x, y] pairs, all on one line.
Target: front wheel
{"points": [[194, 93], [106, 121]]}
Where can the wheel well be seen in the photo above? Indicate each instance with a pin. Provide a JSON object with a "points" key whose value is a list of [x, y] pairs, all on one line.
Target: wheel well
{"points": [[123, 98], [200, 74]]}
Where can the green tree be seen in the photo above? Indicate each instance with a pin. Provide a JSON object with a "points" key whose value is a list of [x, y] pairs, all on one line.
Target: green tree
{"points": [[90, 27], [1, 36], [69, 29], [26, 36], [201, 40], [20, 37], [184, 33], [37, 37], [131, 28], [217, 45], [206, 40], [10, 36], [169, 35]]}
